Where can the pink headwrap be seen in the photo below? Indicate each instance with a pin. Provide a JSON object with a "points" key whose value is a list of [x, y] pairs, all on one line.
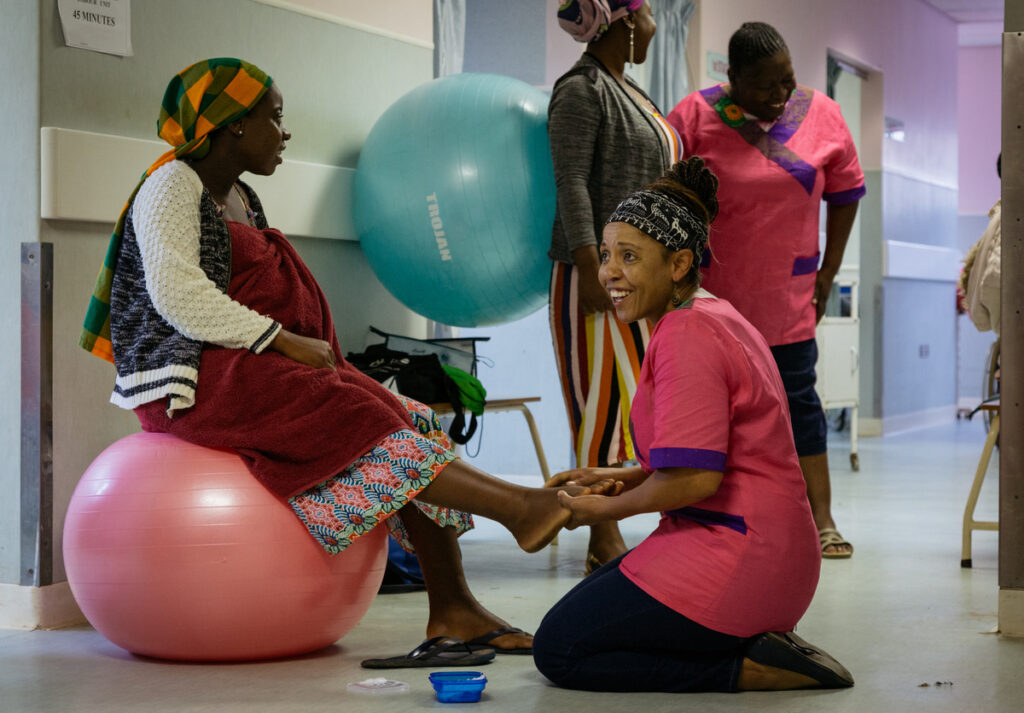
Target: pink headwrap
{"points": [[587, 20]]}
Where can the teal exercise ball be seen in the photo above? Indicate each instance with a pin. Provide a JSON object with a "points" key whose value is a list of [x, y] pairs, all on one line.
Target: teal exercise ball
{"points": [[455, 198]]}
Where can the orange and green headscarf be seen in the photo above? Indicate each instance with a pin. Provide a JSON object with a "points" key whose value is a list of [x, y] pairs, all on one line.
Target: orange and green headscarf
{"points": [[200, 99]]}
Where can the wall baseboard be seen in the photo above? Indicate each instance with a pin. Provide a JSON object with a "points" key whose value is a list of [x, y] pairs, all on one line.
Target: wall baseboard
{"points": [[869, 427], [50, 607], [1011, 612], [915, 420]]}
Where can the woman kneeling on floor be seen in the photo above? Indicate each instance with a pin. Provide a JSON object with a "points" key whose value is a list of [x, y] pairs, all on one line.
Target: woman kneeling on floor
{"points": [[200, 285], [708, 601]]}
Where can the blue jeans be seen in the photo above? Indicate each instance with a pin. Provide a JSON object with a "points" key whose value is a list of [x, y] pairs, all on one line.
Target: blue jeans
{"points": [[796, 367], [607, 634]]}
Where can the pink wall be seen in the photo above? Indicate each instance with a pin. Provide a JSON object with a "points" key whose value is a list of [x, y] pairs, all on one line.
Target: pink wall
{"points": [[979, 99], [911, 43]]}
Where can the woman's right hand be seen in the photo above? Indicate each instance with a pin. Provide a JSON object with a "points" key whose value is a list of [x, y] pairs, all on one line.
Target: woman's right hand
{"points": [[305, 350], [591, 293]]}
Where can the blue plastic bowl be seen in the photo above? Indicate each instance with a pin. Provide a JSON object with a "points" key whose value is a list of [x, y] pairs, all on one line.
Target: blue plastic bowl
{"points": [[458, 686]]}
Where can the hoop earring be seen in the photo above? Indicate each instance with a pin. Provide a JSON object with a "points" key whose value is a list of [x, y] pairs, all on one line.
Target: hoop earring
{"points": [[677, 299]]}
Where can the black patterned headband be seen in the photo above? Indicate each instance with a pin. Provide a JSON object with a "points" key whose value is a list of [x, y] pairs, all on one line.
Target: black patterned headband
{"points": [[671, 224]]}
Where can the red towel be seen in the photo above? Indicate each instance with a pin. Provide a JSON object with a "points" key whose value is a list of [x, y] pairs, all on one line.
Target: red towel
{"points": [[294, 425]]}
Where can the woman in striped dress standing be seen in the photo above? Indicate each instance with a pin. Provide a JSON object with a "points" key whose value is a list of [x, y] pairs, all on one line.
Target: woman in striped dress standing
{"points": [[607, 140]]}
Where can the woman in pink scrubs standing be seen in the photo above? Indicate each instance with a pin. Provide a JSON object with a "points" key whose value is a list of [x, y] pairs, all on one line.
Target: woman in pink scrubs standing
{"points": [[779, 149], [708, 601]]}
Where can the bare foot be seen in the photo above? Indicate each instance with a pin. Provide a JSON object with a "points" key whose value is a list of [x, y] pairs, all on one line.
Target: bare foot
{"points": [[544, 516], [471, 620], [606, 541]]}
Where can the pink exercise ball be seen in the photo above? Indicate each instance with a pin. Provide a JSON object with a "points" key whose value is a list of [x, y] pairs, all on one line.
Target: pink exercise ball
{"points": [[175, 551]]}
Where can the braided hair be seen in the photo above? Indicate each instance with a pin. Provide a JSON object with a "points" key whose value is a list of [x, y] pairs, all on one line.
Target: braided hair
{"points": [[693, 185], [752, 42]]}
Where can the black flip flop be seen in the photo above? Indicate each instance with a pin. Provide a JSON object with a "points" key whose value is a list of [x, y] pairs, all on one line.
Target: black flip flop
{"points": [[483, 642], [786, 650], [435, 653]]}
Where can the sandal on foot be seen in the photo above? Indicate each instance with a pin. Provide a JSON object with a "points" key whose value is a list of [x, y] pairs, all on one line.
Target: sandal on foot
{"points": [[435, 653], [592, 564], [786, 650], [484, 641], [830, 537]]}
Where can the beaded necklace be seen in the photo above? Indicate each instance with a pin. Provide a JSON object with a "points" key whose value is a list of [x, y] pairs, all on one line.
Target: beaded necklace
{"points": [[249, 213]]}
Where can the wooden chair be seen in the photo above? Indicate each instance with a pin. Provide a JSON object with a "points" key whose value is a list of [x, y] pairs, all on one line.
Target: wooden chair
{"points": [[970, 524], [511, 404]]}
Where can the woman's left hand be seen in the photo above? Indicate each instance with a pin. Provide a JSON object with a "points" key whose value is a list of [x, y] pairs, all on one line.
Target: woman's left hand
{"points": [[580, 476], [822, 289]]}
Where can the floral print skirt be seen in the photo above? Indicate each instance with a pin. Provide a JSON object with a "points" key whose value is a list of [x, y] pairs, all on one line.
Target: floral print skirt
{"points": [[379, 484]]}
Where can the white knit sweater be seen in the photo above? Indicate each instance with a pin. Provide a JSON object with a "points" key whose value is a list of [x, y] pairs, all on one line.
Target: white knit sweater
{"points": [[166, 219]]}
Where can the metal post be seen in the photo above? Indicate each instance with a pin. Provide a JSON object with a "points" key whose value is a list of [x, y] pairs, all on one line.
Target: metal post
{"points": [[1011, 448], [36, 414]]}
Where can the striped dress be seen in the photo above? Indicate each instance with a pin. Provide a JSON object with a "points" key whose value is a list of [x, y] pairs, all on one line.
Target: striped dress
{"points": [[598, 356]]}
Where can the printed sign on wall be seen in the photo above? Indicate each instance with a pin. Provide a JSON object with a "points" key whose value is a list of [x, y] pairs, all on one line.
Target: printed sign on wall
{"points": [[718, 65], [98, 25]]}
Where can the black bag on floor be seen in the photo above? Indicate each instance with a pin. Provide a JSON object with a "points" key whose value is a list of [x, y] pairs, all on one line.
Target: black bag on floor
{"points": [[418, 376]]}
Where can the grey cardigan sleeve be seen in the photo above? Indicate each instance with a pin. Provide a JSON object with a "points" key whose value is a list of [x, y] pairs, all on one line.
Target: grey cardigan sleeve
{"points": [[574, 124]]}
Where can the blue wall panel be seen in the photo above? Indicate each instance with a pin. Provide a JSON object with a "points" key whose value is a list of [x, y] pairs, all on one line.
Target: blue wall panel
{"points": [[919, 345]]}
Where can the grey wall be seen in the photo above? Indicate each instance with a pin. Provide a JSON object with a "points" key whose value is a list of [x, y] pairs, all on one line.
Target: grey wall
{"points": [[918, 313], [336, 82], [507, 38], [870, 213], [919, 211], [19, 222]]}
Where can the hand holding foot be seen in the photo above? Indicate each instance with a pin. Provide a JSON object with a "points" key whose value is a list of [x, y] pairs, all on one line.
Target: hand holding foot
{"points": [[546, 515], [590, 505], [628, 477]]}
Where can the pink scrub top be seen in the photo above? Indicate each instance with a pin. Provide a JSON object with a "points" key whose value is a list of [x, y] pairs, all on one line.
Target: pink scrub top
{"points": [[763, 250], [745, 560]]}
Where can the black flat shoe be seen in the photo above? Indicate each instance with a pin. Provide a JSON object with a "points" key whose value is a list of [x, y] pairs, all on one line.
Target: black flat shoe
{"points": [[786, 650]]}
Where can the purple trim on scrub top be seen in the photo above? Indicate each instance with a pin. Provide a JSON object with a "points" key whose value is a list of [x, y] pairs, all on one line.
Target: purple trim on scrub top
{"points": [[805, 265], [772, 144], [844, 197], [713, 94], [792, 164], [711, 517], [792, 116], [687, 458]]}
